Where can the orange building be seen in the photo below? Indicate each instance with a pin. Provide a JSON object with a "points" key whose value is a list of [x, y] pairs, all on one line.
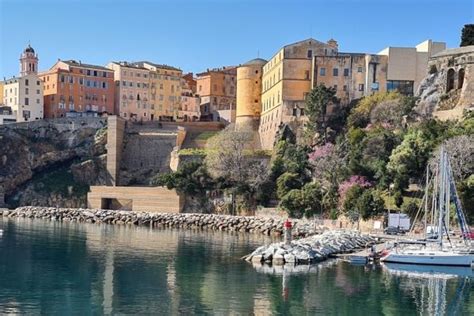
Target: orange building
{"points": [[217, 89], [72, 88]]}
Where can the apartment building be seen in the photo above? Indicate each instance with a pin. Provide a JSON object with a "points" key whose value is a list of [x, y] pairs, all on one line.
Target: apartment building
{"points": [[217, 90], [132, 91], [73, 88], [164, 90]]}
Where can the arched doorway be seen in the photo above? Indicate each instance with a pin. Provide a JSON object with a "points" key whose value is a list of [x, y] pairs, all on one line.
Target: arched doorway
{"points": [[460, 78], [450, 80]]}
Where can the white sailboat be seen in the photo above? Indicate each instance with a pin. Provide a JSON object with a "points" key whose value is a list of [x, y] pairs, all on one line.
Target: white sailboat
{"points": [[437, 251]]}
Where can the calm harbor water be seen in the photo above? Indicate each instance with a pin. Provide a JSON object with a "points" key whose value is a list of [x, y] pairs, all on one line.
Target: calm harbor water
{"points": [[65, 268]]}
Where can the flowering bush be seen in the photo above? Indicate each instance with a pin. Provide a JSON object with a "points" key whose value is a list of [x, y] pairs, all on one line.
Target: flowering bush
{"points": [[349, 183]]}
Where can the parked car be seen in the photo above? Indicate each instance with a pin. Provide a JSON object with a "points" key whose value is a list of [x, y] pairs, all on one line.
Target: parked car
{"points": [[394, 231]]}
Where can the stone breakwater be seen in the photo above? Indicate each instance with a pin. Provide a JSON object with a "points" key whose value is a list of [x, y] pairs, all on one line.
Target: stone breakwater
{"points": [[311, 249], [245, 224]]}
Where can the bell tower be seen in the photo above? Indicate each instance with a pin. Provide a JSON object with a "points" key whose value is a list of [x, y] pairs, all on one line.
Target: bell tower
{"points": [[28, 62]]}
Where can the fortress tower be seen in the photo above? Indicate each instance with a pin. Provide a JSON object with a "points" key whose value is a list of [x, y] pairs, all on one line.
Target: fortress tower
{"points": [[249, 90]]}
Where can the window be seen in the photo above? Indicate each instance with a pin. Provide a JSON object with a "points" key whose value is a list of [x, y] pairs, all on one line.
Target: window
{"points": [[27, 90], [88, 72], [344, 88], [37, 101], [81, 81], [310, 53], [361, 87], [95, 73], [404, 87], [306, 74], [322, 71], [37, 83], [26, 82], [104, 74], [27, 101], [346, 72], [294, 111], [335, 72], [62, 78], [71, 79], [335, 87], [359, 69], [104, 85]]}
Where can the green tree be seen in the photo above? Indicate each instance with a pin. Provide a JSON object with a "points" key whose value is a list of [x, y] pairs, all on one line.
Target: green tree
{"points": [[467, 35], [360, 114], [317, 103], [362, 203], [303, 202], [287, 182], [191, 178]]}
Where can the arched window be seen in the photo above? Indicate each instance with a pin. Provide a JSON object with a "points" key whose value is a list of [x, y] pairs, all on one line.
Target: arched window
{"points": [[450, 80], [460, 78]]}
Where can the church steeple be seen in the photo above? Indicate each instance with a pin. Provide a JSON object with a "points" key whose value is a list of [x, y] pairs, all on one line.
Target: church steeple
{"points": [[28, 62]]}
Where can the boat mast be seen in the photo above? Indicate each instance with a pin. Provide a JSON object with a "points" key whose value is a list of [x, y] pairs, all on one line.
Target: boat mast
{"points": [[448, 197], [426, 197], [442, 196]]}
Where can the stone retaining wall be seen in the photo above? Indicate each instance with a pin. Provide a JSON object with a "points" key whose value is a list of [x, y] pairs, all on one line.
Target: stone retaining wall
{"points": [[247, 224]]}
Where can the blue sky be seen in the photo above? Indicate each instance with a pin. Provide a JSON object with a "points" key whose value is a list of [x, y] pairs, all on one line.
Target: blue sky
{"points": [[195, 35]]}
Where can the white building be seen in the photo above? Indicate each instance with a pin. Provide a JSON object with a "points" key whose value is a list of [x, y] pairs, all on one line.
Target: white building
{"points": [[24, 95], [407, 66]]}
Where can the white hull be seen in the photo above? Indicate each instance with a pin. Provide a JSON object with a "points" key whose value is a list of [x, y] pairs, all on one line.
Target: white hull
{"points": [[442, 258]]}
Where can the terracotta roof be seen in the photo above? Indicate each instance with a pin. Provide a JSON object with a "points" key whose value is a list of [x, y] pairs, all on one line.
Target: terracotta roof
{"points": [[161, 66], [128, 65], [75, 63]]}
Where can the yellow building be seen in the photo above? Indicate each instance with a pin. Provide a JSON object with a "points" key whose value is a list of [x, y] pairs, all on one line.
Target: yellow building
{"points": [[249, 90], [165, 90], [286, 81]]}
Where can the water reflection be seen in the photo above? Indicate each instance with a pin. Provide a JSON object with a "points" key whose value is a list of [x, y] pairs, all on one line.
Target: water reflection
{"points": [[48, 267]]}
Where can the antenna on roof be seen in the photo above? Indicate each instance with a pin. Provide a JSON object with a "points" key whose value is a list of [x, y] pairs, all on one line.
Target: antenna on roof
{"points": [[258, 53]]}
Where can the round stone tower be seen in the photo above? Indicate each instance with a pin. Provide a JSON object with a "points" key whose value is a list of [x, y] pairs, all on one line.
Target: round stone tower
{"points": [[249, 91], [28, 62]]}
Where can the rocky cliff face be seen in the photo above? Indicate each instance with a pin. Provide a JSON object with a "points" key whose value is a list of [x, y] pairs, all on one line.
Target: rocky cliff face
{"points": [[52, 163]]}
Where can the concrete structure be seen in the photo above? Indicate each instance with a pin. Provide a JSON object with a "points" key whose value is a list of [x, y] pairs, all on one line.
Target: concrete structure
{"points": [[286, 81], [28, 62], [249, 90], [189, 108], [164, 90], [132, 88], [407, 66], [217, 89], [151, 199], [72, 88], [24, 96], [115, 136]]}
